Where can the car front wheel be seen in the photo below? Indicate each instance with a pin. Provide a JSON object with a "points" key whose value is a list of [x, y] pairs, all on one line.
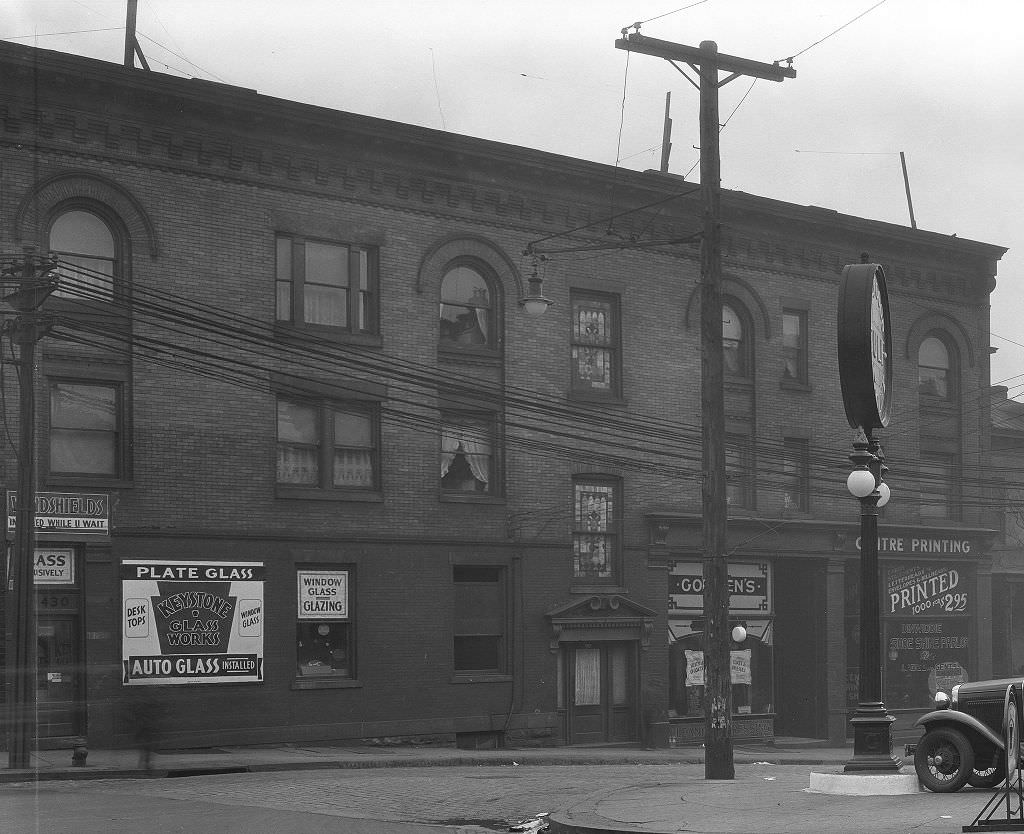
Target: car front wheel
{"points": [[944, 760]]}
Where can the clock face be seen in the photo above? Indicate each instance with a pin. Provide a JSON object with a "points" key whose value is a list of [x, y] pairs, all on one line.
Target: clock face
{"points": [[879, 353]]}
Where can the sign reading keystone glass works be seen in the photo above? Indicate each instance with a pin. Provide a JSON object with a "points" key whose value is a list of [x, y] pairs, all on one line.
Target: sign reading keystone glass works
{"points": [[865, 347], [191, 622], [70, 514]]}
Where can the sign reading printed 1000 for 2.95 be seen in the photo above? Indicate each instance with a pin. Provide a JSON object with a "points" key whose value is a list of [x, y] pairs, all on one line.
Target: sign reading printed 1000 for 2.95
{"points": [[929, 591], [191, 622]]}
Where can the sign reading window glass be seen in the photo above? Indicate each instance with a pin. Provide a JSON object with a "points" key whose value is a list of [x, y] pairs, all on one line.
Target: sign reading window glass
{"points": [[191, 622], [323, 594]]}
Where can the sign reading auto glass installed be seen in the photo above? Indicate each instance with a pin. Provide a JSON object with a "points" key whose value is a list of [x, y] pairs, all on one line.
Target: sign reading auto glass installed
{"points": [[323, 594], [749, 587], [191, 622], [925, 591]]}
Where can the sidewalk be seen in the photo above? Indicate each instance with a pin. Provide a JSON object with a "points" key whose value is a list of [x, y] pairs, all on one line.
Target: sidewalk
{"points": [[121, 764]]}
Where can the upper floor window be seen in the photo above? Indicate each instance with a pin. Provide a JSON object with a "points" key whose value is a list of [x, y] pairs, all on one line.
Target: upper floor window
{"points": [[467, 454], [735, 342], [595, 343], [595, 528], [794, 472], [739, 471], [468, 316], [794, 346], [327, 446], [87, 251], [86, 429], [939, 480], [933, 368], [326, 284]]}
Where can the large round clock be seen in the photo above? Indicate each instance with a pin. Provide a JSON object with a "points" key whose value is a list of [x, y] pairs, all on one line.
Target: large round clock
{"points": [[865, 347]]}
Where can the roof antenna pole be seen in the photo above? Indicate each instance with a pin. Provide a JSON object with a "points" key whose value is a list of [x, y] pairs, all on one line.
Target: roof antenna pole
{"points": [[906, 185], [131, 42]]}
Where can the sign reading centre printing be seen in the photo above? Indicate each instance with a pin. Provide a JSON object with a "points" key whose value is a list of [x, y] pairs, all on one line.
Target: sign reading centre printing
{"points": [[65, 512], [749, 587], [191, 622], [323, 594]]}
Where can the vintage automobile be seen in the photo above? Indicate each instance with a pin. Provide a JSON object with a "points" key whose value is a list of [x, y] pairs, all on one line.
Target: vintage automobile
{"points": [[969, 734]]}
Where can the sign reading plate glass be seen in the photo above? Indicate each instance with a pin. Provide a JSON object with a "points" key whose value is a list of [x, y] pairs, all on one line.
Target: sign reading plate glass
{"points": [[323, 594], [53, 566], [191, 622], [865, 347]]}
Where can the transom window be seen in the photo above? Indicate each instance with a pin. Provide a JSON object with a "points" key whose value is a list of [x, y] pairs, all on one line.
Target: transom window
{"points": [[933, 368], [86, 248], [595, 343], [467, 309], [595, 529], [327, 446], [326, 284], [85, 429], [467, 454]]}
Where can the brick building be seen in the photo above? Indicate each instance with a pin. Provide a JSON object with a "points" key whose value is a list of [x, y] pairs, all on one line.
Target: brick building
{"points": [[355, 491]]}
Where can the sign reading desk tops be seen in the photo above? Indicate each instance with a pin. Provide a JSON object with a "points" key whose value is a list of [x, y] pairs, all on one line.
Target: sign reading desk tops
{"points": [[66, 513], [191, 622]]}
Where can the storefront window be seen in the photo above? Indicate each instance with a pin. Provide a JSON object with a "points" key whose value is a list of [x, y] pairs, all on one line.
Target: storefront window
{"points": [[325, 630], [751, 662]]}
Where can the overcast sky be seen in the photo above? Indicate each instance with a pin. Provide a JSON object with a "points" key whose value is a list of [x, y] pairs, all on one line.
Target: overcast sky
{"points": [[938, 80]]}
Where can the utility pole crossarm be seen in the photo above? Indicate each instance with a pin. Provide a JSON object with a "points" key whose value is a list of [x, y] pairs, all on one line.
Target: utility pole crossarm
{"points": [[635, 42]]}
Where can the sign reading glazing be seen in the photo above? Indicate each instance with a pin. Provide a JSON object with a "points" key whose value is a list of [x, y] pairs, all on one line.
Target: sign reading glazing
{"points": [[865, 347], [191, 622], [65, 512], [323, 594]]}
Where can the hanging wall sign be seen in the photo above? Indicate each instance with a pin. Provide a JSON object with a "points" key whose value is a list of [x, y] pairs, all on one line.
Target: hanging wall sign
{"points": [[191, 622], [865, 347]]}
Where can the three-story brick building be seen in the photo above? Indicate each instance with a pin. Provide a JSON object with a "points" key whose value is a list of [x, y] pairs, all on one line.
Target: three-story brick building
{"points": [[355, 491]]}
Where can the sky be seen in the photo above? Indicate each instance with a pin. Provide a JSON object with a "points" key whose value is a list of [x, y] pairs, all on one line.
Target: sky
{"points": [[938, 80]]}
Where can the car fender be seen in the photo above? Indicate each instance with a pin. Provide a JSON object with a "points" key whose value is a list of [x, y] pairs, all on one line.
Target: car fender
{"points": [[952, 717]]}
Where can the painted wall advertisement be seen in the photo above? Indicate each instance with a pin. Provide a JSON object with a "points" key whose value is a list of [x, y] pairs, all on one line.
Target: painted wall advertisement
{"points": [[191, 622]]}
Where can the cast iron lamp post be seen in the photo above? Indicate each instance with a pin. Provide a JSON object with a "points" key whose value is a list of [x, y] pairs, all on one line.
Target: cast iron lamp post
{"points": [[872, 724]]}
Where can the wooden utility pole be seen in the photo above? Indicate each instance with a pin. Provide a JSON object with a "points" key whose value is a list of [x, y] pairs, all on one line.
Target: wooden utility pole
{"points": [[707, 62], [131, 40]]}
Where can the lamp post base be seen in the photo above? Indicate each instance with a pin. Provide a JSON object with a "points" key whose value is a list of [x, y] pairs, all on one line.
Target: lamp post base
{"points": [[872, 742]]}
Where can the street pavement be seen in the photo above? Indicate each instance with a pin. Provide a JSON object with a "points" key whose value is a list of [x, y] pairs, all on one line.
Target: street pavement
{"points": [[409, 789]]}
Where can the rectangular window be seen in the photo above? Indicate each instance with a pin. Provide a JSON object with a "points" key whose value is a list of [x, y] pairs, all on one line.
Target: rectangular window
{"points": [[86, 429], [794, 346], [326, 284], [468, 454], [595, 529], [938, 483], [327, 446], [480, 619], [795, 480], [595, 344], [325, 624], [739, 471]]}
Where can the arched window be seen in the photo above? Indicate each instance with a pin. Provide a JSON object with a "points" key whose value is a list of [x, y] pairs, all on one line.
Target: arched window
{"points": [[934, 374], [87, 249], [735, 342], [467, 309]]}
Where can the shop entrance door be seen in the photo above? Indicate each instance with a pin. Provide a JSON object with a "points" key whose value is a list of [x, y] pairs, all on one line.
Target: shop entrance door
{"points": [[58, 681], [601, 698]]}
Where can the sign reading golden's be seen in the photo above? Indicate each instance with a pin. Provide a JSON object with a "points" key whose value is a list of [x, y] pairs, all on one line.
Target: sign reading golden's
{"points": [[191, 622]]}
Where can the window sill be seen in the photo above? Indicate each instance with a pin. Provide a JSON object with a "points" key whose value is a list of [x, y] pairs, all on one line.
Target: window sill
{"points": [[474, 352], [367, 496], [326, 682], [96, 482], [594, 588], [597, 398], [470, 498], [482, 677], [794, 385], [302, 332]]}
